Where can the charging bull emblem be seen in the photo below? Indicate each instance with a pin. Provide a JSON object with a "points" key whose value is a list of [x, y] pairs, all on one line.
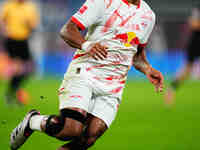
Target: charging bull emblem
{"points": [[128, 39]]}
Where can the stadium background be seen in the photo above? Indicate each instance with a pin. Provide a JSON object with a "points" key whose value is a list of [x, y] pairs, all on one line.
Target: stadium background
{"points": [[143, 122]]}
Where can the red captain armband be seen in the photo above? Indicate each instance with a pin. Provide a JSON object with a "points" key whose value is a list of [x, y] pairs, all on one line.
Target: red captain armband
{"points": [[78, 23]]}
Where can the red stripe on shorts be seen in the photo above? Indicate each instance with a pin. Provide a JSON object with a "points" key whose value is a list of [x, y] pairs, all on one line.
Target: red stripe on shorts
{"points": [[117, 90], [75, 96]]}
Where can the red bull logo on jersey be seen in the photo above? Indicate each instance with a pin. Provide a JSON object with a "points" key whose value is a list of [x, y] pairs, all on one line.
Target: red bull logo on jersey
{"points": [[128, 39]]}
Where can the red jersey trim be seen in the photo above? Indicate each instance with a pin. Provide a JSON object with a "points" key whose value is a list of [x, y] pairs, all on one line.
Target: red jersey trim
{"points": [[143, 45], [127, 3], [78, 23], [138, 6]]}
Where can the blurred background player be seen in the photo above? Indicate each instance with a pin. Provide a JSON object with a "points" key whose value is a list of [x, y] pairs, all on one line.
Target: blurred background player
{"points": [[18, 20], [193, 53]]}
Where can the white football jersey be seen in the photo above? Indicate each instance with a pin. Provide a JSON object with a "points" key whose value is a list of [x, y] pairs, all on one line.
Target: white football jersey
{"points": [[119, 25]]}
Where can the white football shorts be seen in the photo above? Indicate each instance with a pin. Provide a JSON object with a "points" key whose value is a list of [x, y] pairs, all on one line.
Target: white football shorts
{"points": [[80, 90]]}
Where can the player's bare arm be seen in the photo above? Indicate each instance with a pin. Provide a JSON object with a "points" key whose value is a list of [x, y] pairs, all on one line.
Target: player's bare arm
{"points": [[140, 63], [95, 50]]}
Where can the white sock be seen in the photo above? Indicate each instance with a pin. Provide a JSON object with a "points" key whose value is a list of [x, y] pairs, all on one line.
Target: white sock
{"points": [[35, 122]]}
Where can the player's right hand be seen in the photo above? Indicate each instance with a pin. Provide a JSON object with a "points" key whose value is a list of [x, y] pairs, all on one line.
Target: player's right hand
{"points": [[97, 51]]}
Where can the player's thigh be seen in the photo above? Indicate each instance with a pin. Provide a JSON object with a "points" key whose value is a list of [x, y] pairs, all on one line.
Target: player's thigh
{"points": [[100, 118], [95, 127], [191, 55], [10, 48], [24, 53]]}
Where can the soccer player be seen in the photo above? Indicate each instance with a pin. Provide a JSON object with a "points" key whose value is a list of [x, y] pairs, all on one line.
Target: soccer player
{"points": [[193, 53], [91, 91], [18, 19]]}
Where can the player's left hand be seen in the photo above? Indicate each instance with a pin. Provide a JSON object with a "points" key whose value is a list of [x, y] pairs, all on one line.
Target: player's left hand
{"points": [[156, 78]]}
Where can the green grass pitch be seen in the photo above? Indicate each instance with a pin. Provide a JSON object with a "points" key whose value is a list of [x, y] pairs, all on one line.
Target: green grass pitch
{"points": [[143, 121]]}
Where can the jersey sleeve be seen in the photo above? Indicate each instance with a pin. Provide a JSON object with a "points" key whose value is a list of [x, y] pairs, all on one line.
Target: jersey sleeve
{"points": [[147, 23], [90, 12]]}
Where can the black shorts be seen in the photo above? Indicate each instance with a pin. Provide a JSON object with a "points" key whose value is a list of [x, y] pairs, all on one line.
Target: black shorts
{"points": [[18, 49], [193, 50]]}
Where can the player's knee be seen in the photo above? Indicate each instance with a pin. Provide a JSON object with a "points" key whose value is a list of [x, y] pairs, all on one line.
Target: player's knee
{"points": [[93, 133], [54, 125], [74, 123], [67, 125], [63, 128]]}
